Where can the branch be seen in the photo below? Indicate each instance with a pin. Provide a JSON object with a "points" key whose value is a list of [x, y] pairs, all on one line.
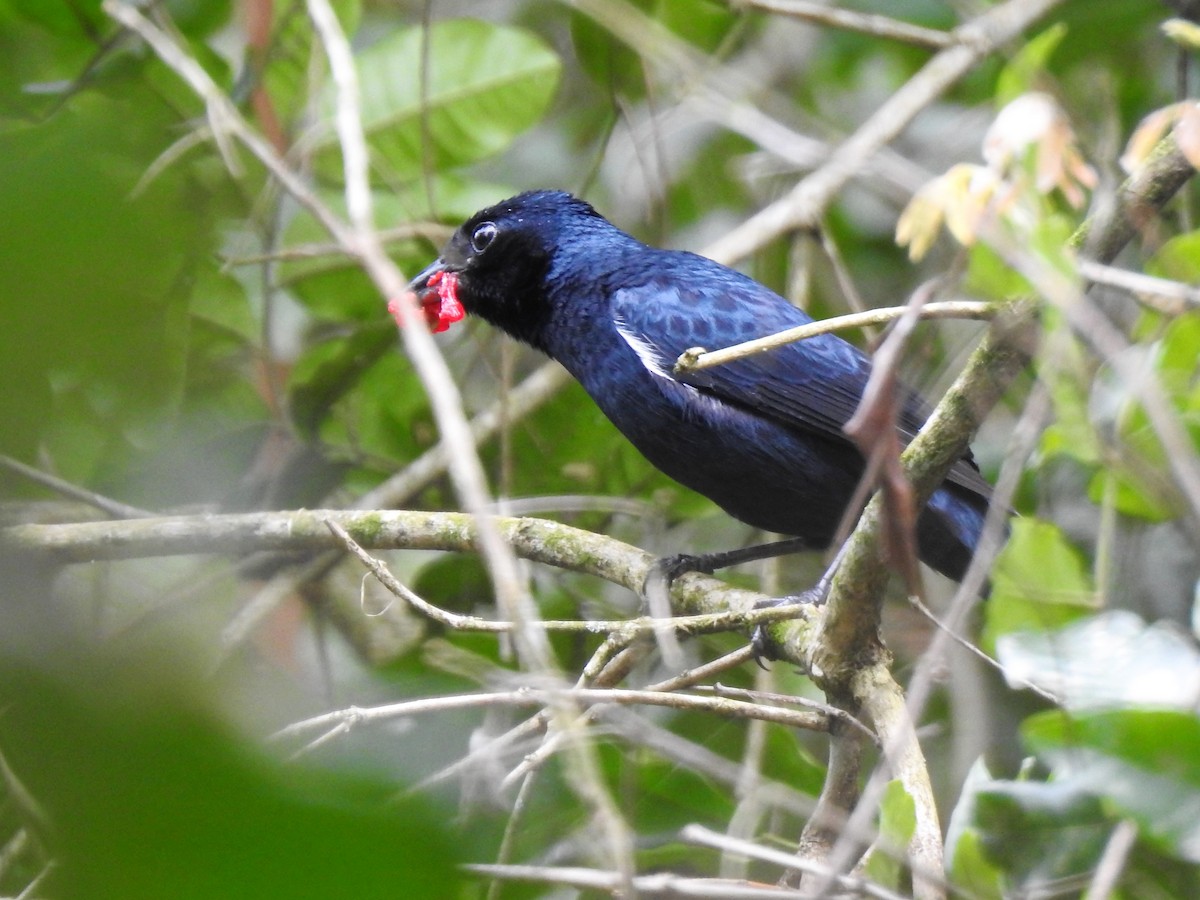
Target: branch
{"points": [[803, 205], [628, 628], [538, 540]]}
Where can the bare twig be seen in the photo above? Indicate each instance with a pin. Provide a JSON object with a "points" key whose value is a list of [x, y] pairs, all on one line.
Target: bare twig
{"points": [[806, 202], [1113, 860], [722, 706], [465, 467], [849, 20], [705, 837], [662, 884], [697, 358], [1162, 294], [756, 696], [113, 507], [627, 628]]}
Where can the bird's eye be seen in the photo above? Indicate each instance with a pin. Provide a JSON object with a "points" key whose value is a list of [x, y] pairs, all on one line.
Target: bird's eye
{"points": [[482, 237]]}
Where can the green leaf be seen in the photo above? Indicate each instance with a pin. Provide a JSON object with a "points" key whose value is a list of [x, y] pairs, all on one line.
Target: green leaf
{"points": [[287, 64], [1041, 831], [1132, 495], [486, 84], [967, 865], [104, 321], [151, 794], [972, 873], [1027, 67], [1039, 581], [332, 369], [1144, 763], [618, 69], [897, 822], [990, 277], [1064, 367], [1177, 259]]}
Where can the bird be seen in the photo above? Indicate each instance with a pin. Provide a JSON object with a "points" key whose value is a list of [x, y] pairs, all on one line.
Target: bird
{"points": [[762, 437]]}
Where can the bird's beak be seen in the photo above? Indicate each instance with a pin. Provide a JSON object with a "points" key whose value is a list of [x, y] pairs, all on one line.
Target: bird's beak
{"points": [[421, 282], [436, 291]]}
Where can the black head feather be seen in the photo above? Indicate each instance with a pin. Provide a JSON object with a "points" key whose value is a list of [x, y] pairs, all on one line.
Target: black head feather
{"points": [[503, 254]]}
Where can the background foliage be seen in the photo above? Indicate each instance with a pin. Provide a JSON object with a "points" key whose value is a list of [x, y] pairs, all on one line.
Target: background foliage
{"points": [[178, 334]]}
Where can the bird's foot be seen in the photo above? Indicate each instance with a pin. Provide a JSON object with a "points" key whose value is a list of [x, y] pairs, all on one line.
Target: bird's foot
{"points": [[667, 568], [760, 640]]}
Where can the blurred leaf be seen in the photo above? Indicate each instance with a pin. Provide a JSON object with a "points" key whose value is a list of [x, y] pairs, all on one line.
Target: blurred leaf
{"points": [[897, 822], [1178, 258], [618, 69], [1110, 659], [971, 872], [221, 301], [330, 370], [1039, 581], [1132, 495], [486, 84], [967, 865], [989, 277], [1145, 763], [361, 397], [1040, 832], [97, 277], [1183, 32], [150, 795], [282, 72], [456, 582], [81, 19], [1025, 71], [1138, 481], [1177, 355]]}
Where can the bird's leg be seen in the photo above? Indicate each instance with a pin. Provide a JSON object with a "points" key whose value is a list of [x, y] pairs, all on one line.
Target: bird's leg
{"points": [[669, 568], [816, 595]]}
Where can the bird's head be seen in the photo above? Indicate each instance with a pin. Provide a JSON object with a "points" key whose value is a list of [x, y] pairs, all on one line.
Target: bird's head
{"points": [[495, 265]]}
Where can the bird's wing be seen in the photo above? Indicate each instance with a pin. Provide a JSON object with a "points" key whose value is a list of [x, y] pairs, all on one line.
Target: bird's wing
{"points": [[814, 385]]}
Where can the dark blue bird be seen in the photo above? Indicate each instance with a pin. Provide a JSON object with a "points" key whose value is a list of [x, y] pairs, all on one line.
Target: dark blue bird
{"points": [[761, 437]]}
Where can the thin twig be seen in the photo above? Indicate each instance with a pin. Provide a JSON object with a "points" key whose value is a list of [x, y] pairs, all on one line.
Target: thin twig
{"points": [[113, 507], [1162, 294], [849, 20], [465, 467], [737, 709], [1113, 861], [430, 231], [806, 202], [698, 834], [628, 628], [697, 358], [756, 696], [660, 884]]}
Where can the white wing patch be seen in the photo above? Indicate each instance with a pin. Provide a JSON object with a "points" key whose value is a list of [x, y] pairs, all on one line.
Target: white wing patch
{"points": [[651, 356], [658, 364]]}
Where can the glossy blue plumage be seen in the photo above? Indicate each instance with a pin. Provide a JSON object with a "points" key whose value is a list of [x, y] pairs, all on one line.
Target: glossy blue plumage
{"points": [[762, 437]]}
